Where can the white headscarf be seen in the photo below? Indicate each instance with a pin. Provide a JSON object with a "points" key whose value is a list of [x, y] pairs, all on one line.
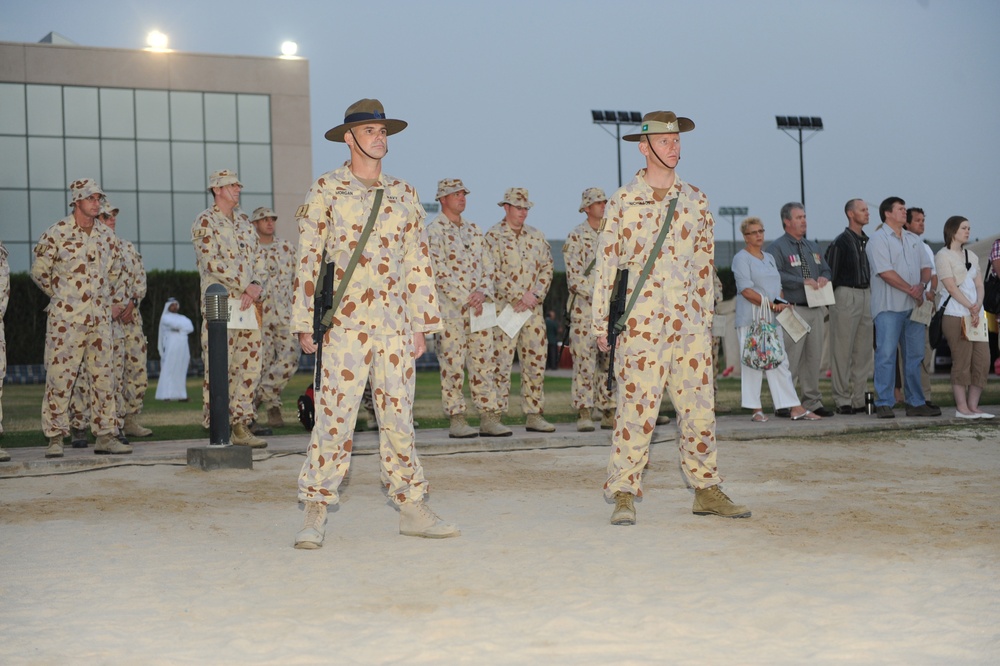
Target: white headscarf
{"points": [[163, 324]]}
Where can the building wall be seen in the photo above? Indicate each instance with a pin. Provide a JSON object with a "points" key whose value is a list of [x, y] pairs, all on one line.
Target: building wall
{"points": [[130, 119]]}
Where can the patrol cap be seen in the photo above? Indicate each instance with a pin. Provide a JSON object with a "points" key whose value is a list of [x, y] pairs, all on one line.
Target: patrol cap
{"points": [[262, 212], [516, 196], [450, 186], [108, 209], [83, 188], [222, 178], [661, 122], [364, 112], [592, 195]]}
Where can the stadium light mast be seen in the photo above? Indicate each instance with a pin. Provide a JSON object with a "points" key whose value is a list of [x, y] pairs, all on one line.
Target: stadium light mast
{"points": [[799, 123], [617, 118]]}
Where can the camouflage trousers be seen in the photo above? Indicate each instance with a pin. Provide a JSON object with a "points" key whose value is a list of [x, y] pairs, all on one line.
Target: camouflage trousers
{"points": [[350, 359], [3, 369], [244, 374], [460, 349], [682, 362], [130, 377], [79, 352], [590, 368], [531, 343], [279, 361]]}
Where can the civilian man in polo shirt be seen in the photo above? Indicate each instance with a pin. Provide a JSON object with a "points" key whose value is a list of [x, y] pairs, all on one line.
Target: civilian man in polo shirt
{"points": [[915, 224], [900, 273], [802, 267], [851, 359]]}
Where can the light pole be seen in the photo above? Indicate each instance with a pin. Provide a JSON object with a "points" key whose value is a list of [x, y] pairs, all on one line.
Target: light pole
{"points": [[786, 123], [617, 118], [732, 212]]}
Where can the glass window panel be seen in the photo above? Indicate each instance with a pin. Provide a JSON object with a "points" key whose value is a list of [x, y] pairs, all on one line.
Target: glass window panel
{"points": [[12, 119], [118, 165], [126, 224], [185, 116], [222, 156], [117, 113], [45, 110], [255, 167], [47, 208], [19, 259], [45, 164], [188, 166], [154, 165], [14, 215], [254, 118], [184, 258], [83, 156], [187, 207], [155, 218], [152, 114], [14, 163], [80, 107], [157, 256], [220, 117], [250, 201]]}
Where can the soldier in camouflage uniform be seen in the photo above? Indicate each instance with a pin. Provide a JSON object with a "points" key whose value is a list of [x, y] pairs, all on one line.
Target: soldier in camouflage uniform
{"points": [[279, 348], [463, 275], [590, 365], [376, 331], [227, 252], [667, 336], [522, 276], [4, 297], [77, 263]]}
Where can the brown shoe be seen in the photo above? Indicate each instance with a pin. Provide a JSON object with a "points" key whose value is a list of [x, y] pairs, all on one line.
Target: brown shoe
{"points": [[537, 423], [110, 444], [624, 513], [490, 426], [608, 419], [55, 449], [584, 423], [132, 427], [274, 418], [241, 436], [712, 501]]}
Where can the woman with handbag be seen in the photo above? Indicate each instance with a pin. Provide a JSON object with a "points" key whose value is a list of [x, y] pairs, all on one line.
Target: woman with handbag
{"points": [[960, 280], [758, 292]]}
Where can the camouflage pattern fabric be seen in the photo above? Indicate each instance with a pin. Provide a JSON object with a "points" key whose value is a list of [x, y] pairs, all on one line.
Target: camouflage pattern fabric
{"points": [[4, 299], [279, 347]]}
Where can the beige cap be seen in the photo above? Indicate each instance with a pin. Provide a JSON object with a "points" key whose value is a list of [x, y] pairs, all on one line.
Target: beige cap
{"points": [[592, 195], [516, 196], [262, 212], [222, 178], [108, 209], [450, 186], [661, 122], [83, 188]]}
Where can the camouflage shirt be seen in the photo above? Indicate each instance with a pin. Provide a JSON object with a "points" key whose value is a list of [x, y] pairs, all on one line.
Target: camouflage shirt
{"points": [[578, 252], [392, 288], [462, 265], [279, 261], [522, 263], [680, 289], [132, 283], [227, 252], [77, 271]]}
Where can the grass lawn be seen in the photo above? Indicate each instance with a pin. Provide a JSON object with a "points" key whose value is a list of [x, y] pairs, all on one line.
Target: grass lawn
{"points": [[182, 420]]}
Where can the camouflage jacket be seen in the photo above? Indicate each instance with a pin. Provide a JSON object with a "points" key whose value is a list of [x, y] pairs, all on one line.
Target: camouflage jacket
{"points": [[522, 263], [392, 288], [462, 264], [279, 261], [680, 289], [227, 252], [578, 251]]}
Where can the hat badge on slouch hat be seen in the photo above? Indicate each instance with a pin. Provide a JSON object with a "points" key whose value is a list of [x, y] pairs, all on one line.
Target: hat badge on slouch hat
{"points": [[364, 112], [661, 122], [448, 186], [516, 196]]}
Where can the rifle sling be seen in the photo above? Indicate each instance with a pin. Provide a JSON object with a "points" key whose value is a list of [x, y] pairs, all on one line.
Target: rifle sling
{"points": [[620, 324], [358, 249]]}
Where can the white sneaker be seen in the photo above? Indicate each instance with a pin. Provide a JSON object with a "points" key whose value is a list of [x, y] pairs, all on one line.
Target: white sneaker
{"points": [[984, 415], [417, 519], [311, 535], [961, 415]]}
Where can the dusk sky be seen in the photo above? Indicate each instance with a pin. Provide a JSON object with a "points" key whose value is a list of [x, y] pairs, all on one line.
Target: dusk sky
{"points": [[500, 93]]}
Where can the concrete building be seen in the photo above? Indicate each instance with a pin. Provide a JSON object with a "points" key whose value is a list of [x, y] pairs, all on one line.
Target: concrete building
{"points": [[149, 126]]}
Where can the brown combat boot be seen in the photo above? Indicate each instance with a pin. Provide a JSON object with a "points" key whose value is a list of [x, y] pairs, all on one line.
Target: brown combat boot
{"points": [[241, 436], [712, 501], [55, 449], [584, 423], [608, 419], [460, 429], [274, 417], [490, 426], [110, 444], [537, 423], [624, 513], [133, 429]]}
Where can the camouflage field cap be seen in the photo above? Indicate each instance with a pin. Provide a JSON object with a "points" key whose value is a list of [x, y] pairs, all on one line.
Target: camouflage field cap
{"points": [[661, 122], [262, 212], [108, 209], [516, 196], [363, 112], [222, 178], [450, 186], [83, 188], [592, 195]]}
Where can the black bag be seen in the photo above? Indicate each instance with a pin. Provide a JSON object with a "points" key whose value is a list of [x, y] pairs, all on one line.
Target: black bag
{"points": [[991, 294], [307, 409], [934, 333]]}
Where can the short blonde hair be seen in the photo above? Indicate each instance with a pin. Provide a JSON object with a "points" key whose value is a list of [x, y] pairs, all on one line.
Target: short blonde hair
{"points": [[750, 222]]}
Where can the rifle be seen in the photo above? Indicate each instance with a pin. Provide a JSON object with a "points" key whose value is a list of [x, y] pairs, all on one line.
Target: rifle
{"points": [[615, 327], [321, 305]]}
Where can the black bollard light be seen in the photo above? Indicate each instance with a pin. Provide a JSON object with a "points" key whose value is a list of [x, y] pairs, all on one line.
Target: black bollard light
{"points": [[217, 320]]}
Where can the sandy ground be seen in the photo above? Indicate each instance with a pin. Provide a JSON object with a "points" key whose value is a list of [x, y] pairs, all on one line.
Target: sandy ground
{"points": [[877, 551]]}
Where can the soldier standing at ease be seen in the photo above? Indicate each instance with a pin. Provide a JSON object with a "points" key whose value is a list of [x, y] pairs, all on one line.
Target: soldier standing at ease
{"points": [[76, 265], [667, 335], [227, 252], [590, 365], [377, 330], [522, 276], [463, 276], [279, 348]]}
